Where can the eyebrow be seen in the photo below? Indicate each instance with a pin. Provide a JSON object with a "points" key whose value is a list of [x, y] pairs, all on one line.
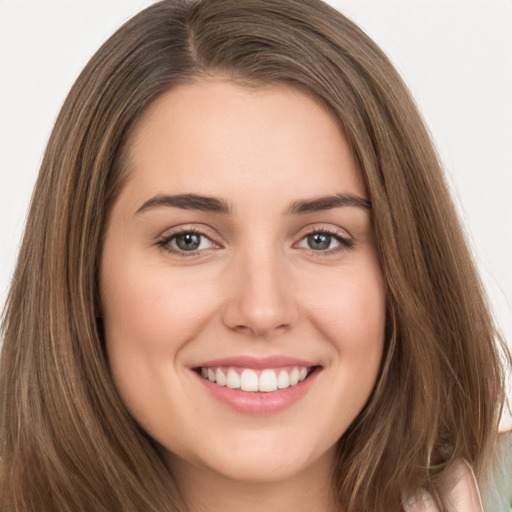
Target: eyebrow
{"points": [[327, 203], [215, 205], [187, 202]]}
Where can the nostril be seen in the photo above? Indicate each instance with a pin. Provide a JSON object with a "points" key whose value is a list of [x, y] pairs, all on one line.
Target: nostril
{"points": [[260, 305]]}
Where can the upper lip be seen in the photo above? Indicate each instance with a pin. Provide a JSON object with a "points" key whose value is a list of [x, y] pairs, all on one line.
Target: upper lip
{"points": [[257, 363]]}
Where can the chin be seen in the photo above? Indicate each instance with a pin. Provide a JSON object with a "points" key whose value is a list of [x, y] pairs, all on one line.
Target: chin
{"points": [[266, 460], [261, 470]]}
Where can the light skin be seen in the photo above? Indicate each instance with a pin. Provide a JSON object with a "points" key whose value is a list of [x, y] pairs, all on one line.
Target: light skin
{"points": [[260, 268]]}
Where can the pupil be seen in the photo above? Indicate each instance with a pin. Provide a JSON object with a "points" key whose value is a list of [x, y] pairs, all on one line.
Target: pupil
{"points": [[188, 241], [319, 241]]}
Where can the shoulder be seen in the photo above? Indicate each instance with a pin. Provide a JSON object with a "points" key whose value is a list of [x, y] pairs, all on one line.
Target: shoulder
{"points": [[462, 493], [498, 491]]}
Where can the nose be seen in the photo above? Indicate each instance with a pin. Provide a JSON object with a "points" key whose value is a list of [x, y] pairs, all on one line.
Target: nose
{"points": [[261, 299]]}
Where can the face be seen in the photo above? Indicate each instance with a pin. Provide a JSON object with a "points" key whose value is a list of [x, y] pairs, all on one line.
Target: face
{"points": [[242, 295]]}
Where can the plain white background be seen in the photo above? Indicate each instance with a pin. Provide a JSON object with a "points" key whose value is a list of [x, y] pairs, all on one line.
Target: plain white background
{"points": [[455, 55]]}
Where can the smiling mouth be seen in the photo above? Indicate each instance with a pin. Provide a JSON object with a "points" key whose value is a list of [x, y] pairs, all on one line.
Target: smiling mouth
{"points": [[261, 380]]}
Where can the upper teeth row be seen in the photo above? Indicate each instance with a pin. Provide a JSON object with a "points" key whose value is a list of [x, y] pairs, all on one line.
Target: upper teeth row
{"points": [[248, 380]]}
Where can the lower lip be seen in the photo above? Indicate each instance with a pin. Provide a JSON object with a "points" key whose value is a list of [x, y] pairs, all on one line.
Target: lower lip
{"points": [[258, 402]]}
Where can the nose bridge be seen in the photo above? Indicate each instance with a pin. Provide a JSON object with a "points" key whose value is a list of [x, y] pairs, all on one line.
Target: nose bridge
{"points": [[261, 297]]}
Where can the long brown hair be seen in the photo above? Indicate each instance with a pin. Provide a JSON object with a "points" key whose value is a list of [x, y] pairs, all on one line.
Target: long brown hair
{"points": [[68, 443]]}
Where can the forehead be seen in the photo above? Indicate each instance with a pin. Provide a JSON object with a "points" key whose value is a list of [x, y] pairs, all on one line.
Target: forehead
{"points": [[203, 136]]}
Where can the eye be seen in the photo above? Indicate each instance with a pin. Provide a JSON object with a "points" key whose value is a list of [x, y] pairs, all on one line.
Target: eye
{"points": [[186, 242], [325, 241], [320, 241]]}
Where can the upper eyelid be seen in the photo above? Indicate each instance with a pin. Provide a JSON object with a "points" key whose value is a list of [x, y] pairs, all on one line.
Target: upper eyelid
{"points": [[325, 228], [310, 228], [179, 230]]}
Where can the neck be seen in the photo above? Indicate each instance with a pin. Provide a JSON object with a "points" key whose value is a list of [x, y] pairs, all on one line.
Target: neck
{"points": [[205, 490]]}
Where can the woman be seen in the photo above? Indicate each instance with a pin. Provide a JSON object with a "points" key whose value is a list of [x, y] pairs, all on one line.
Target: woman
{"points": [[243, 284]]}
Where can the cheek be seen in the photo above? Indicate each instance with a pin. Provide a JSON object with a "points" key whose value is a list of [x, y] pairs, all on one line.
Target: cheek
{"points": [[145, 307], [149, 314], [352, 317], [351, 312]]}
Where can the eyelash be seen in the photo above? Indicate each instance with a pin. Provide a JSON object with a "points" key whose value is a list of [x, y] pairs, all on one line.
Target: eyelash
{"points": [[165, 241], [345, 243]]}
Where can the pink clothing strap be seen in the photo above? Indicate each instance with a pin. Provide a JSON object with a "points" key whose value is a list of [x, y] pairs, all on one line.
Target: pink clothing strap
{"points": [[462, 494]]}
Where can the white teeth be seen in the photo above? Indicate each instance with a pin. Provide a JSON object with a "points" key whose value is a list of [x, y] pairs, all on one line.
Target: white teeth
{"points": [[283, 379], [267, 381], [249, 380], [294, 376], [233, 379], [220, 378]]}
